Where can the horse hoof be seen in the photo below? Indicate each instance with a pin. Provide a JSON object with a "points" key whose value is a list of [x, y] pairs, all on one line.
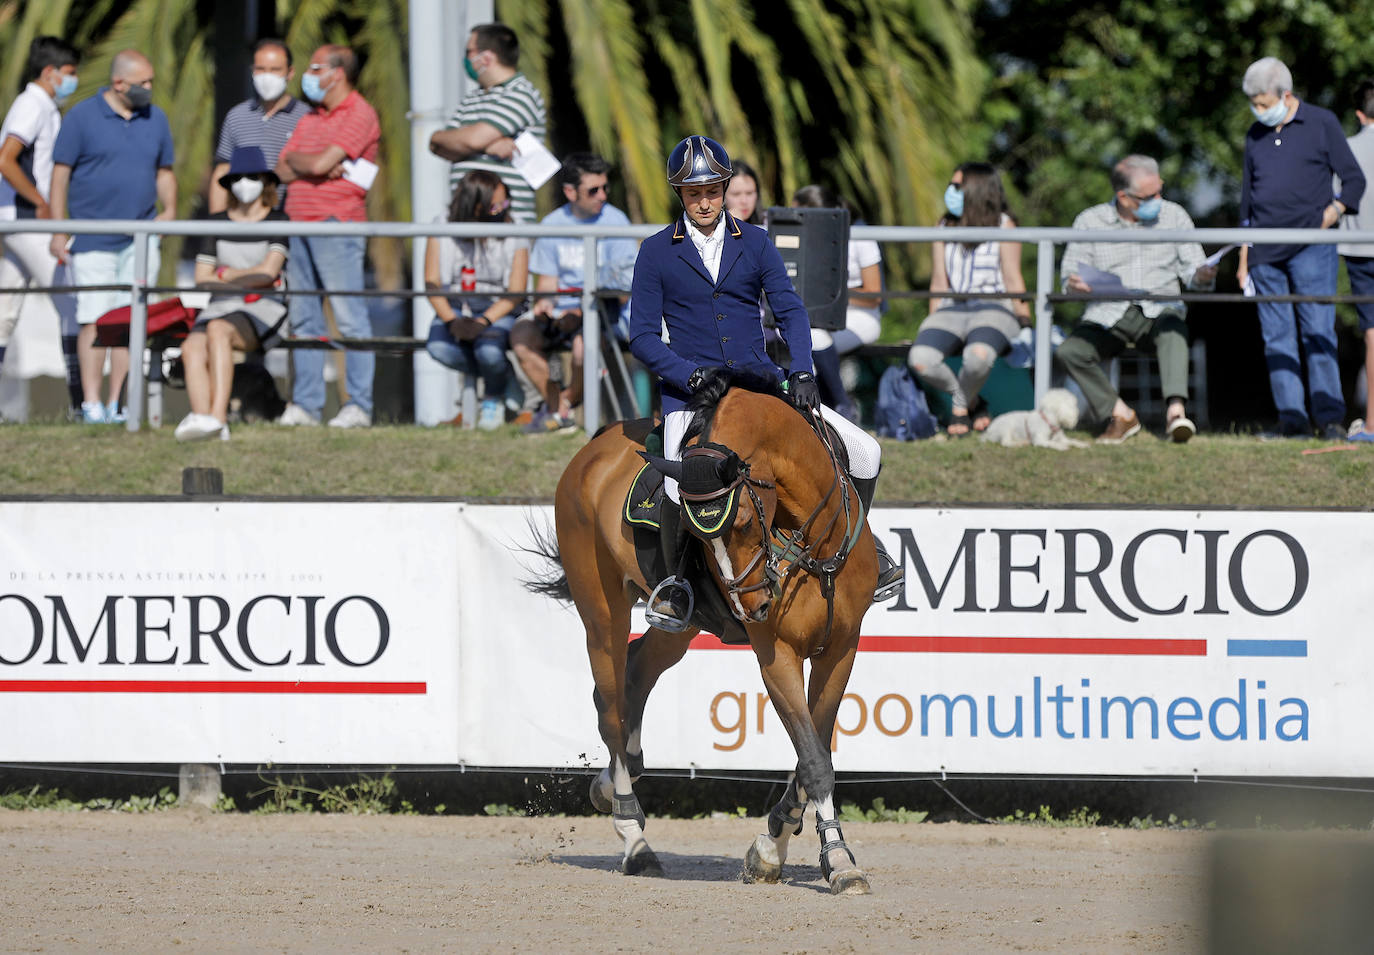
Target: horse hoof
{"points": [[758, 869], [849, 882], [600, 801], [643, 863]]}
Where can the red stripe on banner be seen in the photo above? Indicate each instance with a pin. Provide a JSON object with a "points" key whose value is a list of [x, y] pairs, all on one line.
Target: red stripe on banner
{"points": [[1048, 645], [203, 686]]}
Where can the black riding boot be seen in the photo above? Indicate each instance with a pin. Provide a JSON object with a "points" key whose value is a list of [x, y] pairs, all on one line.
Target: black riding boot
{"points": [[671, 603], [891, 575]]}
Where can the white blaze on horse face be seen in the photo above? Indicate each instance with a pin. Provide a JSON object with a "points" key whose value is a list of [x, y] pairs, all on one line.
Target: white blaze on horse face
{"points": [[727, 571]]}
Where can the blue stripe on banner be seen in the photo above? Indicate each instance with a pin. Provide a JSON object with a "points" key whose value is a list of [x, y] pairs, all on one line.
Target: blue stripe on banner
{"points": [[1266, 648]]}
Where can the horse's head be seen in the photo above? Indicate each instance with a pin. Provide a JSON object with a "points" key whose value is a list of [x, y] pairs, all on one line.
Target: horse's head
{"points": [[731, 512]]}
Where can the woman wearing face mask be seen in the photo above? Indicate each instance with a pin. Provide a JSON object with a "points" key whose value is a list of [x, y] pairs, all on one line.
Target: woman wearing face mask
{"points": [[234, 319], [976, 329], [471, 334]]}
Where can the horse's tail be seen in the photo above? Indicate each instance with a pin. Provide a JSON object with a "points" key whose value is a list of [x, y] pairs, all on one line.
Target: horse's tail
{"points": [[551, 580]]}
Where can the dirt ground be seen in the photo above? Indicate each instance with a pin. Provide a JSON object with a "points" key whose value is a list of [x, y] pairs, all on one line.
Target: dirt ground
{"points": [[109, 881]]}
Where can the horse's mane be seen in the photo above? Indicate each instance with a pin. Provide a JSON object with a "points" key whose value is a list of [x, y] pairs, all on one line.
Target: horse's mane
{"points": [[708, 395]]}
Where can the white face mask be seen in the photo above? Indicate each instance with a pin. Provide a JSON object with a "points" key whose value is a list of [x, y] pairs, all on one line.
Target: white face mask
{"points": [[269, 86], [246, 190]]}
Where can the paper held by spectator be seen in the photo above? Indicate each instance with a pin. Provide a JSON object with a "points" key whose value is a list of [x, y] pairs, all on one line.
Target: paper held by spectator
{"points": [[1215, 258], [533, 161], [1100, 281], [360, 172], [1247, 288]]}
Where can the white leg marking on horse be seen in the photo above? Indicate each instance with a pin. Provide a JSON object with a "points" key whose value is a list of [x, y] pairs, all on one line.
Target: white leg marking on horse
{"points": [[632, 745], [727, 571]]}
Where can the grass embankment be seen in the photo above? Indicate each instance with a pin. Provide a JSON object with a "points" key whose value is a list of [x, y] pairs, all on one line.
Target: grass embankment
{"points": [[1210, 471]]}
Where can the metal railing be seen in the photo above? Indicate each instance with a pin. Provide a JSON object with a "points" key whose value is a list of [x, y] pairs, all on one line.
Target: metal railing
{"points": [[1044, 239]]}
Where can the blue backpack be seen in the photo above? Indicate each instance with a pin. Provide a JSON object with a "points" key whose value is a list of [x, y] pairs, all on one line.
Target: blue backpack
{"points": [[902, 411]]}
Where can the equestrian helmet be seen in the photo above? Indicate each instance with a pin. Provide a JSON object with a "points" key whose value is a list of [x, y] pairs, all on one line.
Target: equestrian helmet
{"points": [[698, 161]]}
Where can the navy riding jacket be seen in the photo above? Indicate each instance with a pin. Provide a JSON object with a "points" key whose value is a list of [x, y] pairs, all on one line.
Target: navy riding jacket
{"points": [[712, 324]]}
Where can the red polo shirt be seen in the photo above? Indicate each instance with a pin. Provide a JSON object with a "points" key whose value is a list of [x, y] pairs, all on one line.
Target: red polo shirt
{"points": [[353, 127]]}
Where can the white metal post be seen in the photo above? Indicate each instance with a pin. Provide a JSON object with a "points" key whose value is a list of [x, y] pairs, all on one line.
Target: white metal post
{"points": [[1044, 316], [138, 331], [591, 339]]}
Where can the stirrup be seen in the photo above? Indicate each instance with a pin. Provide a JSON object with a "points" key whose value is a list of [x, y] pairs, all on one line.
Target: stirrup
{"points": [[890, 584], [666, 622]]}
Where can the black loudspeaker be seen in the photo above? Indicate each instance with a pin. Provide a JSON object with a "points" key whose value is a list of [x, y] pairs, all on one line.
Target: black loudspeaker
{"points": [[814, 244]]}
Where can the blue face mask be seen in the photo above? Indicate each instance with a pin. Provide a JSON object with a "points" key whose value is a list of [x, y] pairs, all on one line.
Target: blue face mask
{"points": [[1148, 211], [1273, 115], [310, 88], [66, 86], [954, 200]]}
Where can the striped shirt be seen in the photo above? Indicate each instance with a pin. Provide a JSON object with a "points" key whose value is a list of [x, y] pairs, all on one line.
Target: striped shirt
{"points": [[248, 124], [353, 127], [512, 107], [974, 270], [1155, 267]]}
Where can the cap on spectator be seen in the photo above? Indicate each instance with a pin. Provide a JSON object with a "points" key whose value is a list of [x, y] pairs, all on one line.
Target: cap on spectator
{"points": [[247, 161]]}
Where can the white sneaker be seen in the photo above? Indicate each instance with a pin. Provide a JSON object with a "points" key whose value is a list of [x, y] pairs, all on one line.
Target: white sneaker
{"points": [[351, 416], [296, 416], [224, 432], [198, 427], [92, 412]]}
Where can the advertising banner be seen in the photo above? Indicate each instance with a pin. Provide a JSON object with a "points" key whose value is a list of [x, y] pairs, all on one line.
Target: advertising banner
{"points": [[1133, 642], [234, 632], [1036, 641]]}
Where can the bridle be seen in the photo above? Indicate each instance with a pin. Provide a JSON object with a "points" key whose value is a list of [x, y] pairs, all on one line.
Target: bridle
{"points": [[796, 549]]}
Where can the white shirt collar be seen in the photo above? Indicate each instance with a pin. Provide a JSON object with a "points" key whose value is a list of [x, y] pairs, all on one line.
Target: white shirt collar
{"points": [[709, 247]]}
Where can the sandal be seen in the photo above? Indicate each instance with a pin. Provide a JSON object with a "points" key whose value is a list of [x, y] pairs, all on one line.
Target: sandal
{"points": [[958, 421], [981, 418]]}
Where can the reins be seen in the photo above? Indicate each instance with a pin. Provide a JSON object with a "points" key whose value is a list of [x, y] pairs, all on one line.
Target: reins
{"points": [[795, 548]]}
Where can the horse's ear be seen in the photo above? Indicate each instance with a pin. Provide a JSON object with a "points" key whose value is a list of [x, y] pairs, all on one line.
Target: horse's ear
{"points": [[672, 469]]}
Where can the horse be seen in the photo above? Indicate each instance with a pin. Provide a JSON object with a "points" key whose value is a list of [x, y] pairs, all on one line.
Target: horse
{"points": [[791, 553]]}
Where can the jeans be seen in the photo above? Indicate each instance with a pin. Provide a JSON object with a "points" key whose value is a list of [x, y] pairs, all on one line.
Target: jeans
{"points": [[1311, 271], [485, 355], [334, 263]]}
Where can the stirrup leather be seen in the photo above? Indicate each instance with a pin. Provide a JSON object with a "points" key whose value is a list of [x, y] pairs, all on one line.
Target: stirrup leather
{"points": [[665, 622]]}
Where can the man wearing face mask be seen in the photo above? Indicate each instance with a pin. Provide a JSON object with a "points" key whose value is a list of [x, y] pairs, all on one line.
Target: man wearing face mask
{"points": [[318, 163], [26, 144], [1292, 151], [481, 132], [112, 160], [266, 121], [1160, 328]]}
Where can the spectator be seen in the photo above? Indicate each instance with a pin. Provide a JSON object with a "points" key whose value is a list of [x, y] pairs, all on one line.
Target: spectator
{"points": [[1291, 153], [977, 329], [1106, 328], [557, 264], [862, 319], [325, 164], [471, 335], [266, 121], [742, 196], [1359, 256], [233, 320], [26, 145], [112, 160], [482, 130]]}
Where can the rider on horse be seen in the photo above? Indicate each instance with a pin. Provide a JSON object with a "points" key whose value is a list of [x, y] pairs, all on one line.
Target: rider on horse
{"points": [[702, 276]]}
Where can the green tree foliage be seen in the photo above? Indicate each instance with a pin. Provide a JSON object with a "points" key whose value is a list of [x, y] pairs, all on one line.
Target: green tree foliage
{"points": [[873, 97], [1078, 86]]}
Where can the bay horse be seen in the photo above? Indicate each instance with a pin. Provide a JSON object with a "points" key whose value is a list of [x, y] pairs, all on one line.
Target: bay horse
{"points": [[796, 563]]}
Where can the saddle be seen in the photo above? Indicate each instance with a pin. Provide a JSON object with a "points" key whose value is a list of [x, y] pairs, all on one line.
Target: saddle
{"points": [[654, 524]]}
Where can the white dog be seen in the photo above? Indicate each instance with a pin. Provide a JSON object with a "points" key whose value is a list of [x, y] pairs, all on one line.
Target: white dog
{"points": [[1043, 428]]}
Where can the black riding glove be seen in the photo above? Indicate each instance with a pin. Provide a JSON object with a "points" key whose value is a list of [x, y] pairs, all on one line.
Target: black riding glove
{"points": [[697, 378], [801, 388]]}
